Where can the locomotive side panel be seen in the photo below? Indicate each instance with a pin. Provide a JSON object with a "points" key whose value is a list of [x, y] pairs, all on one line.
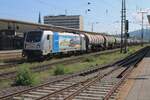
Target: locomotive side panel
{"points": [[55, 42], [69, 42]]}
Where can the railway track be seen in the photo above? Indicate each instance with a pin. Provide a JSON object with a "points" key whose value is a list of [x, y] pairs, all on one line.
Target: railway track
{"points": [[94, 84], [10, 64], [10, 55], [10, 59], [40, 68]]}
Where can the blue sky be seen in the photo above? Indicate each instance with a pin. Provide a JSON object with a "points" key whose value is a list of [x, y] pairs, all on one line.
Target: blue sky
{"points": [[105, 12]]}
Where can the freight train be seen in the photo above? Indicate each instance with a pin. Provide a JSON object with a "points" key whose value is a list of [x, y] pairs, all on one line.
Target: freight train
{"points": [[40, 43]]}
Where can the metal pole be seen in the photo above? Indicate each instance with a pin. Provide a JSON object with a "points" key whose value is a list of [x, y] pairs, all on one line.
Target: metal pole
{"points": [[125, 31], [123, 19], [142, 30], [121, 45], [92, 27], [39, 20], [126, 37]]}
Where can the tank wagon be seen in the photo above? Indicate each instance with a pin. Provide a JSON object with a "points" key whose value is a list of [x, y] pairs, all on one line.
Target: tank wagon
{"points": [[117, 42], [40, 43], [94, 42], [110, 41]]}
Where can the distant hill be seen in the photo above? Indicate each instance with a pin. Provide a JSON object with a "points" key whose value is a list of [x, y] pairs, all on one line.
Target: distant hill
{"points": [[137, 34]]}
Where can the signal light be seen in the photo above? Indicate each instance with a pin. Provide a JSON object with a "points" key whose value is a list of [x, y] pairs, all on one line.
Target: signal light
{"points": [[126, 25]]}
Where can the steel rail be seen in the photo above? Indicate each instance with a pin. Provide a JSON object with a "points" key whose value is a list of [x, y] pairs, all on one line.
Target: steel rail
{"points": [[124, 75]]}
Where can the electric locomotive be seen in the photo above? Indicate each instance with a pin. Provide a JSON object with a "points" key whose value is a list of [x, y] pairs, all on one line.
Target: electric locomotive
{"points": [[41, 43]]}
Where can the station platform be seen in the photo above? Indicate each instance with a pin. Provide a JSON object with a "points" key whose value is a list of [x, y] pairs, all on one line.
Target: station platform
{"points": [[137, 86], [10, 51]]}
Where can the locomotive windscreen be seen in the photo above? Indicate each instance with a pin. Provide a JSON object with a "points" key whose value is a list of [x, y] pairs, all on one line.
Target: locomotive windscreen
{"points": [[34, 36]]}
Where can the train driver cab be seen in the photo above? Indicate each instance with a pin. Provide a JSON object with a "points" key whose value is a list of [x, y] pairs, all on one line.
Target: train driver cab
{"points": [[37, 43]]}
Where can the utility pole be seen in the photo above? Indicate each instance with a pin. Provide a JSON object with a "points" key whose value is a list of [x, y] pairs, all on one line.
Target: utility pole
{"points": [[142, 29], [93, 23], [126, 35], [39, 20], [65, 11], [92, 27], [123, 19]]}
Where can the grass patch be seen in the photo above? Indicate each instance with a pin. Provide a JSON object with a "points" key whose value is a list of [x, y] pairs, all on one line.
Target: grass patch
{"points": [[90, 62], [89, 59], [59, 70], [5, 84]]}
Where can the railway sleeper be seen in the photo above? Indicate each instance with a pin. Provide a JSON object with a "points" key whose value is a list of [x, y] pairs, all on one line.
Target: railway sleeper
{"points": [[78, 79], [54, 88], [64, 84], [27, 95], [55, 98], [93, 92], [60, 96], [21, 98], [38, 93], [57, 86], [64, 93], [30, 96], [106, 85], [95, 95], [91, 95], [87, 98], [97, 88], [102, 92], [44, 90]]}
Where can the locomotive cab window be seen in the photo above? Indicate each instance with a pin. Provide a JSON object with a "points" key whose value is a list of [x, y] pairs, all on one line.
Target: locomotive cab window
{"points": [[34, 36], [48, 37]]}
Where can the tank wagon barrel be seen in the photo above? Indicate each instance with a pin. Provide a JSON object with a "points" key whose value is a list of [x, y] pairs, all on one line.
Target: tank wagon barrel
{"points": [[94, 41]]}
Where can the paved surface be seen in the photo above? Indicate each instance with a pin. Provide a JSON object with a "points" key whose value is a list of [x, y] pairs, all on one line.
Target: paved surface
{"points": [[141, 87], [10, 51]]}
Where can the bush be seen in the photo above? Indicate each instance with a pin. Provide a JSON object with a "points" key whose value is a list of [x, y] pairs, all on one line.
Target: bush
{"points": [[24, 76], [89, 59], [59, 70]]}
